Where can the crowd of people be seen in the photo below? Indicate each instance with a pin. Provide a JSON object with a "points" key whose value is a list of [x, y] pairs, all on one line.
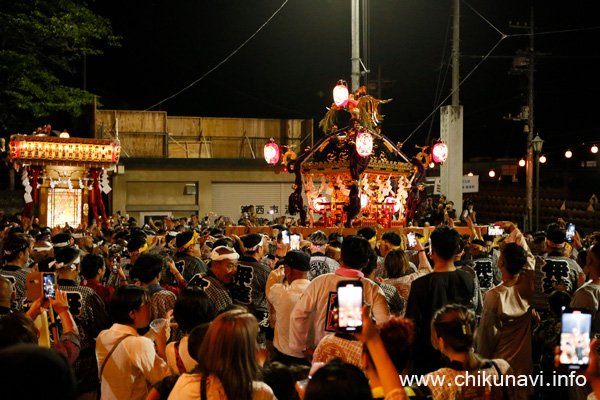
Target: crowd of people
{"points": [[178, 309]]}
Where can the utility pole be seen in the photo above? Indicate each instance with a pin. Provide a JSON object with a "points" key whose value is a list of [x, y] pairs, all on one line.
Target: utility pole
{"points": [[527, 114], [451, 127], [355, 32]]}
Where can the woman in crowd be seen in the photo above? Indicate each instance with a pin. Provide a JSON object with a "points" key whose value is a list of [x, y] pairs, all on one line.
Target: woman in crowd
{"points": [[228, 367], [398, 268], [192, 308], [452, 332]]}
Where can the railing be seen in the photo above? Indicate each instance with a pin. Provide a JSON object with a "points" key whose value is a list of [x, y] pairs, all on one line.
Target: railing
{"points": [[164, 145]]}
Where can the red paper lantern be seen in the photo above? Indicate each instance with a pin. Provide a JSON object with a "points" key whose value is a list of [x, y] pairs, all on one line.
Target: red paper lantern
{"points": [[364, 144], [340, 94], [439, 153], [271, 153], [319, 203]]}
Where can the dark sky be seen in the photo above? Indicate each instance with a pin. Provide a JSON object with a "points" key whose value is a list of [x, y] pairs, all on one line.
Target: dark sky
{"points": [[290, 67]]}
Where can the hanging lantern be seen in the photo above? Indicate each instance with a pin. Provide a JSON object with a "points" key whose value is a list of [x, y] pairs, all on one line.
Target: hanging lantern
{"points": [[393, 200], [364, 201], [470, 174], [568, 154], [543, 159], [271, 152], [521, 162], [340, 94], [364, 144], [492, 173], [319, 203], [594, 149], [64, 134], [439, 152]]}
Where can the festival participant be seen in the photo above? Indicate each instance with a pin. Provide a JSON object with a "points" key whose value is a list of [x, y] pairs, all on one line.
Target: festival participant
{"points": [[317, 300], [251, 280], [452, 332], [93, 269], [188, 256], [445, 285], [16, 254], [398, 269], [319, 263], [147, 269], [218, 280], [290, 283], [192, 308], [128, 362], [228, 366], [505, 325], [90, 314]]}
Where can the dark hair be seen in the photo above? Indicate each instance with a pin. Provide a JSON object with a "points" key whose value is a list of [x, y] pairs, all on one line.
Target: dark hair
{"points": [[224, 241], [396, 263], [367, 232], [338, 381], [356, 251], [514, 256], [147, 267], [444, 241], [281, 379], [193, 307], [557, 300], [90, 265], [14, 245], [16, 327], [66, 255], [126, 299], [195, 339], [392, 237], [456, 324], [371, 265]]}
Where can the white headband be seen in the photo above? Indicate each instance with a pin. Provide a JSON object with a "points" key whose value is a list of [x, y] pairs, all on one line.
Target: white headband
{"points": [[42, 249], [215, 256], [63, 244], [262, 239]]}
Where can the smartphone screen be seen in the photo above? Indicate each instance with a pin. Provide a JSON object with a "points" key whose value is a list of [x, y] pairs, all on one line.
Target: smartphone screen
{"points": [[49, 285], [495, 230], [295, 242], [285, 237], [412, 242], [350, 300], [570, 232], [575, 339]]}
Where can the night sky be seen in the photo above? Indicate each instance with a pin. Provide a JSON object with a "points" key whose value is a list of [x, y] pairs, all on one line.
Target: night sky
{"points": [[290, 67]]}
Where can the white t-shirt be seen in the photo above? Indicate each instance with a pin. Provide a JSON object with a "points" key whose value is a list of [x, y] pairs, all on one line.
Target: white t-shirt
{"points": [[188, 362]]}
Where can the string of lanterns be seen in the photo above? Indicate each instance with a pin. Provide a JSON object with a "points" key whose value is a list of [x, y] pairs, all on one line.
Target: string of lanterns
{"points": [[543, 159]]}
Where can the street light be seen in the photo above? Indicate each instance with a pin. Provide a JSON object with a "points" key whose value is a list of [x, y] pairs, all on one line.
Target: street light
{"points": [[537, 144]]}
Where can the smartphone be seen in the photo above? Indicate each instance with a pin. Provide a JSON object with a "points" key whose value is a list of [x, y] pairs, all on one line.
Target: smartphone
{"points": [[495, 230], [294, 242], [116, 262], [412, 241], [350, 301], [576, 326], [49, 285], [285, 236], [570, 232]]}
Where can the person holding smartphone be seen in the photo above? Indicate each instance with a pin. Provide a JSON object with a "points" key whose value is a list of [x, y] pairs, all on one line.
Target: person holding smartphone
{"points": [[93, 268], [508, 305], [320, 296]]}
